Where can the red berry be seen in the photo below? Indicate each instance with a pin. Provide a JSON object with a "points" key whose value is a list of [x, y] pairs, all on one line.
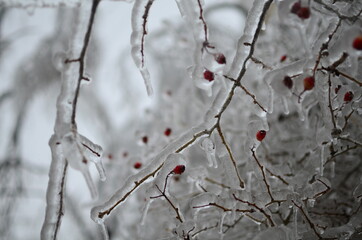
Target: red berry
{"points": [[260, 135], [145, 139], [304, 13], [283, 58], [208, 75], [348, 96], [308, 83], [168, 132], [179, 169], [295, 8], [137, 165], [110, 156], [220, 58], [288, 82], [336, 90], [357, 43]]}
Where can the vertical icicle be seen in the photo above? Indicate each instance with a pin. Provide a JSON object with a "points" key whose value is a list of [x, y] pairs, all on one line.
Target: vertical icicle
{"points": [[322, 160], [295, 223], [140, 14], [209, 147], [145, 211], [333, 169], [104, 231]]}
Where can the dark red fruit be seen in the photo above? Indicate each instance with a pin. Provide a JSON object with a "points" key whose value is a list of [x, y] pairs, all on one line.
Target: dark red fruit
{"points": [[168, 132], [357, 43], [179, 169], [145, 139], [110, 156], [295, 8], [348, 96], [283, 58], [304, 13], [260, 135], [288, 82], [220, 58], [208, 75], [308, 83], [137, 165]]}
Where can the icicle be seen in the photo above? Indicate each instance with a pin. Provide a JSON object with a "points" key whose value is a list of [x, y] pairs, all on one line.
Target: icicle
{"points": [[145, 211], [140, 13], [333, 169], [223, 215], [285, 105], [295, 223], [250, 175], [104, 231], [209, 147], [322, 160], [78, 150], [93, 152]]}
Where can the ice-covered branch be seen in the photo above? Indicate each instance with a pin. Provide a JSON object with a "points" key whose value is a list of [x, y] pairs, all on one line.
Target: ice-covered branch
{"points": [[65, 119], [140, 12]]}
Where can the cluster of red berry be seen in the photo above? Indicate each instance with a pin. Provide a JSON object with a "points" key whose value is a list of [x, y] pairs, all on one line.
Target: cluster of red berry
{"points": [[300, 11], [220, 59]]}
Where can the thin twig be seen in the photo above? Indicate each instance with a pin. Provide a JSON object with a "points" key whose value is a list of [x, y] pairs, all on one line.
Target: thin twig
{"points": [[241, 182], [258, 208], [261, 167], [311, 224], [81, 58], [330, 102]]}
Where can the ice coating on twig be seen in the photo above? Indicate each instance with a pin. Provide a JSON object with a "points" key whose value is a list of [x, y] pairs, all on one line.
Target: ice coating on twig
{"points": [[140, 14], [99, 213], [54, 207], [246, 39], [209, 147], [170, 163], [78, 150], [190, 11], [94, 153]]}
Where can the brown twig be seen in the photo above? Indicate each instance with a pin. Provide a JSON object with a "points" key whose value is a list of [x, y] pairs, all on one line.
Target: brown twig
{"points": [[311, 224], [170, 202], [144, 27], [217, 183], [330, 102], [81, 58], [224, 208], [258, 208], [261, 167], [257, 61], [241, 182], [255, 101], [61, 206], [325, 46], [277, 176]]}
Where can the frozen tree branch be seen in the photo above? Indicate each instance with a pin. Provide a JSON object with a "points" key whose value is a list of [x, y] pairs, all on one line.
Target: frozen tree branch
{"points": [[65, 122]]}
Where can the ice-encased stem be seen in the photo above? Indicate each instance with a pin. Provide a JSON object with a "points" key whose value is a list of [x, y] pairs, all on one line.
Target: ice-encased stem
{"points": [[140, 14], [245, 48], [63, 125]]}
